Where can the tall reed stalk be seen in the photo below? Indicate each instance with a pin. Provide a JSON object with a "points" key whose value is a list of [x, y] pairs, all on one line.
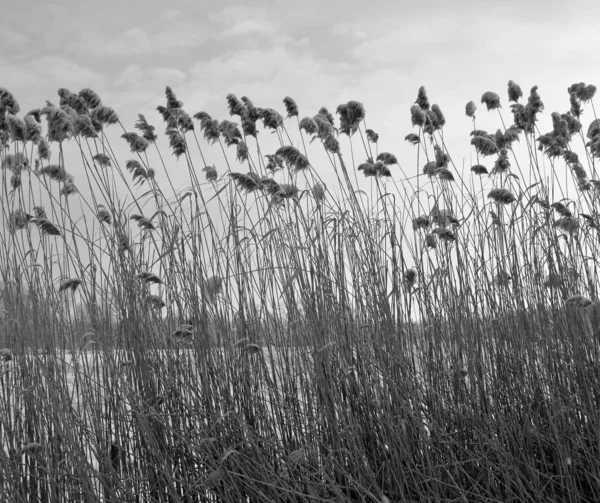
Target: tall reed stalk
{"points": [[266, 334]]}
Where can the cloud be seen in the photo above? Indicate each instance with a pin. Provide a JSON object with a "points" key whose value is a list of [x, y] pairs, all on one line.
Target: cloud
{"points": [[183, 35], [132, 42], [130, 76], [57, 70], [12, 40], [248, 28], [134, 77], [168, 76]]}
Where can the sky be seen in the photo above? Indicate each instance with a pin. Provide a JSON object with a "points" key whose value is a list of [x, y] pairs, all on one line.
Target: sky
{"points": [[321, 53]]}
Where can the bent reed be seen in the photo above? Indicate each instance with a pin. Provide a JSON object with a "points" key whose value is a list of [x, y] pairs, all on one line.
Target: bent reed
{"points": [[264, 334]]}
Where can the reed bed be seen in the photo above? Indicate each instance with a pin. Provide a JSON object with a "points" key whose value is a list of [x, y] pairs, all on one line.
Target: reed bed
{"points": [[261, 335]]}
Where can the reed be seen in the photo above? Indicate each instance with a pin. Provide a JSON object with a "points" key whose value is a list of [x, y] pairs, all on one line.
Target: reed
{"points": [[262, 335]]}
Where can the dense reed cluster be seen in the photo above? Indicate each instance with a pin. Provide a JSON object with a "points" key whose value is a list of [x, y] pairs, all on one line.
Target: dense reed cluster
{"points": [[266, 334]]}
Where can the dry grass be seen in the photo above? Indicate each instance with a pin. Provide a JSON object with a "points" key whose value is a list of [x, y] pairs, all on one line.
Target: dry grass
{"points": [[260, 336]]}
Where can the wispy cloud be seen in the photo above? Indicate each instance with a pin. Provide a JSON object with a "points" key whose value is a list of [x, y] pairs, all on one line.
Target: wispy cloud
{"points": [[11, 40]]}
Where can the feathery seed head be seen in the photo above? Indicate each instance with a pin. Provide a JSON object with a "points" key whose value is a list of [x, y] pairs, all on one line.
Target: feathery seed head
{"points": [[593, 131], [318, 192], [559, 125], [211, 131], [211, 173], [8, 103], [103, 214], [579, 301], [325, 113], [491, 100], [104, 115], [421, 222], [413, 139], [445, 174], [553, 281], [584, 93], [143, 222], [570, 157], [308, 125], [290, 106], [372, 136], [431, 122], [503, 196], [573, 125], [149, 278], [172, 101], [69, 284], [567, 224], [288, 191], [33, 129], [410, 278], [271, 118], [213, 287], [102, 159], [561, 209], [90, 98], [440, 119], [502, 163], [368, 168], [83, 126], [248, 126], [422, 100], [331, 144], [535, 101], [39, 212], [15, 162], [15, 180], [36, 113], [55, 172], [46, 227], [137, 143], [155, 302], [242, 152], [576, 109], [417, 116], [274, 163], [17, 129], [445, 234], [324, 127], [18, 219], [246, 182], [442, 217], [253, 112], [579, 171], [503, 278], [441, 158], [293, 157], [514, 91], [184, 122], [479, 169], [470, 109], [387, 158], [351, 114], [484, 146], [146, 129], [68, 187], [236, 107], [430, 168]]}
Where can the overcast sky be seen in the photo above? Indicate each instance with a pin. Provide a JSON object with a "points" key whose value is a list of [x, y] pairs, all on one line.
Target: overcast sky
{"points": [[319, 52]]}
